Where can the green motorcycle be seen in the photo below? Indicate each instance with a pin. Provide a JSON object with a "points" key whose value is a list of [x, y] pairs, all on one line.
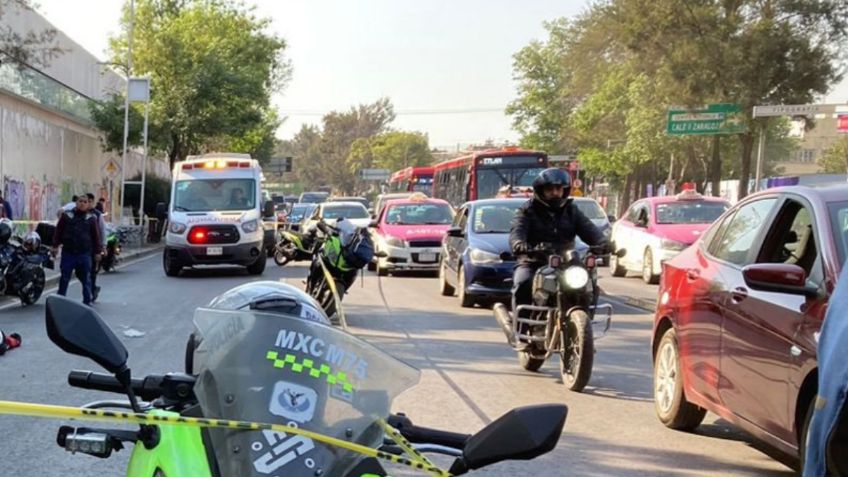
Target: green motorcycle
{"points": [[292, 246], [326, 393]]}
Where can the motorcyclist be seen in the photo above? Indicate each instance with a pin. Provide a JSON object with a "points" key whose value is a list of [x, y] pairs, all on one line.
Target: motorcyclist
{"points": [[263, 296], [549, 217]]}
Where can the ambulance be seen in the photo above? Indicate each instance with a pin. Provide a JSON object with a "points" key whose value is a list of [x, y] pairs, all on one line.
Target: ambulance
{"points": [[215, 214]]}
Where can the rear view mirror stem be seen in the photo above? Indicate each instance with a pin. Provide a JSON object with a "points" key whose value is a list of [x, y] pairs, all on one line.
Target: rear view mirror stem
{"points": [[124, 376]]}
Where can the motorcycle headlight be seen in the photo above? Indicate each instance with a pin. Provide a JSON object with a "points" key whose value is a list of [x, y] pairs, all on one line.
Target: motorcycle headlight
{"points": [[575, 277], [176, 228], [250, 226], [672, 245], [395, 242], [481, 257]]}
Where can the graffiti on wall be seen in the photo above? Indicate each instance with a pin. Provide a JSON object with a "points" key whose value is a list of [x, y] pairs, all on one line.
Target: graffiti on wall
{"points": [[39, 199]]}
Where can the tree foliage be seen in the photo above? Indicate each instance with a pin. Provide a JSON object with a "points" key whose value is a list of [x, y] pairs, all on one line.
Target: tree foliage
{"points": [[392, 150], [835, 158], [213, 67], [601, 84]]}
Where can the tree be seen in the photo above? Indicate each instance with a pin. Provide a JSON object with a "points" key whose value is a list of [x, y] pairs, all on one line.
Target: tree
{"points": [[835, 158], [36, 48], [213, 67], [391, 150]]}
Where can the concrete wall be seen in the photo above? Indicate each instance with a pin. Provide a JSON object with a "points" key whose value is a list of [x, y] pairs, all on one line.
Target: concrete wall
{"points": [[47, 155]]}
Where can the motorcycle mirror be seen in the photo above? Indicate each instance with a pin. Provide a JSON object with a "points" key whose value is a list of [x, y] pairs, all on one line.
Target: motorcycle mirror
{"points": [[79, 330], [521, 434]]}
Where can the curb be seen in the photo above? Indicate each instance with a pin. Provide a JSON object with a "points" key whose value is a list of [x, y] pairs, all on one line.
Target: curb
{"points": [[132, 255]]}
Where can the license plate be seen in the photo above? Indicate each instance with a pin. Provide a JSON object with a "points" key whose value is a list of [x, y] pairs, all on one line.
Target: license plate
{"points": [[426, 257], [214, 250]]}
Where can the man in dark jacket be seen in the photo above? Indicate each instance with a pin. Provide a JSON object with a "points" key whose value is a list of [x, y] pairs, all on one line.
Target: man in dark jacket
{"points": [[549, 217], [78, 235]]}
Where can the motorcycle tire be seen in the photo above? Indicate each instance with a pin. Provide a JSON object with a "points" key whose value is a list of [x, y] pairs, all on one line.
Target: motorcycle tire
{"points": [[529, 362], [31, 292], [281, 258], [578, 351]]}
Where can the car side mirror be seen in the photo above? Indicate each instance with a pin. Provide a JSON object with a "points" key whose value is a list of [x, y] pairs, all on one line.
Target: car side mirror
{"points": [[79, 330], [521, 434], [779, 278], [268, 209], [642, 222], [455, 232], [611, 218], [374, 224]]}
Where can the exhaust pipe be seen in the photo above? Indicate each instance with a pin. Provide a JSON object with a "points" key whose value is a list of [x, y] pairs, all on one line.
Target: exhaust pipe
{"points": [[502, 317]]}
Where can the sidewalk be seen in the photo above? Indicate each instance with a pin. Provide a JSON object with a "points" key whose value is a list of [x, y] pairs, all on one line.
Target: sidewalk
{"points": [[127, 254], [630, 290]]}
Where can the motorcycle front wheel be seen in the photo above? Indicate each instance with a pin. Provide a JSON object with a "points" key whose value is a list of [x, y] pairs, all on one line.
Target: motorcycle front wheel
{"points": [[282, 256], [578, 351], [31, 292]]}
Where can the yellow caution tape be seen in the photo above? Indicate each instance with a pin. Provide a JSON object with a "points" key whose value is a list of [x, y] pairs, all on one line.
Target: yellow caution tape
{"points": [[119, 417], [329, 277]]}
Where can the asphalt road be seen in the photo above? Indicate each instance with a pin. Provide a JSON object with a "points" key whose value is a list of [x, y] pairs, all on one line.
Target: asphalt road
{"points": [[469, 377]]}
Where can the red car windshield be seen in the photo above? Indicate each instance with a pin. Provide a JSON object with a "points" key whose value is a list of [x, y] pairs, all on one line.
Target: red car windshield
{"points": [[689, 212]]}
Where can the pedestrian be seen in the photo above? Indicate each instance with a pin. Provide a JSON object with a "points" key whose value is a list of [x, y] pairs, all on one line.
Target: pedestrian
{"points": [[78, 235], [101, 205], [67, 207], [6, 209], [101, 227]]}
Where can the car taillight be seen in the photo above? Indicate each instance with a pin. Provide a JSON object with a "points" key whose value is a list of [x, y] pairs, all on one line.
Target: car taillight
{"points": [[197, 236]]}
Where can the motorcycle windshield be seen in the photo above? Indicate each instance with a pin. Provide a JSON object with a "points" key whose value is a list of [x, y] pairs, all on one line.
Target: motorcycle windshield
{"points": [[280, 369]]}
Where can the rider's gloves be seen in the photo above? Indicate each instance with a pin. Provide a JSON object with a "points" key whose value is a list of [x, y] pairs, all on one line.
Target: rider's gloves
{"points": [[520, 247]]}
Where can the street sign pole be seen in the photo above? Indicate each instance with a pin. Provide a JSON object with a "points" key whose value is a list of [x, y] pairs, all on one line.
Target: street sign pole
{"points": [[760, 151], [127, 106], [144, 165]]}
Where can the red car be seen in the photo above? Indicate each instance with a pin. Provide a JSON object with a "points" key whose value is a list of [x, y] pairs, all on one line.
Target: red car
{"points": [[739, 313]]}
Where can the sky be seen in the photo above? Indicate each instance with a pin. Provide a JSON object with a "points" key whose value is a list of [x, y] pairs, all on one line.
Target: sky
{"points": [[445, 64]]}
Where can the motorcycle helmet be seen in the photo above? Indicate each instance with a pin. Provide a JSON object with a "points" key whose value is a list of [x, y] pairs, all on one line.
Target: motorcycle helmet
{"points": [[261, 296], [552, 176], [5, 231], [32, 242]]}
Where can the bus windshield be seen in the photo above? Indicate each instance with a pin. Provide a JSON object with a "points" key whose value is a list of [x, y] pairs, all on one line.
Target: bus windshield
{"points": [[489, 180], [207, 195]]}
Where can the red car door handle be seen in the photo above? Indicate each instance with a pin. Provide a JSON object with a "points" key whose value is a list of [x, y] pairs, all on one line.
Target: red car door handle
{"points": [[693, 274], [738, 294]]}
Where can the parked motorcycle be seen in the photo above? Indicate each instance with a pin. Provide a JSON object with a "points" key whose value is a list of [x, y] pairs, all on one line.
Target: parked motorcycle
{"points": [[560, 320], [343, 250], [330, 415], [114, 240], [22, 264], [294, 246]]}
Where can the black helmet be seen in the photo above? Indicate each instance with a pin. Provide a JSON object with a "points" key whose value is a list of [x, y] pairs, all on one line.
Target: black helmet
{"points": [[551, 176], [262, 296], [5, 232]]}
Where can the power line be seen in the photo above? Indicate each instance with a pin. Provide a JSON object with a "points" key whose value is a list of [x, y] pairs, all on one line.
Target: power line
{"points": [[401, 112]]}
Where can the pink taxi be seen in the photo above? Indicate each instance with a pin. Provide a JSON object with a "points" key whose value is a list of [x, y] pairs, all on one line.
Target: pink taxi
{"points": [[410, 232], [656, 229]]}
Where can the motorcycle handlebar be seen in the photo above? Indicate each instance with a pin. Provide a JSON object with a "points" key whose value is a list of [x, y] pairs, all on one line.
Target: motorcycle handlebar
{"points": [[148, 388], [424, 435]]}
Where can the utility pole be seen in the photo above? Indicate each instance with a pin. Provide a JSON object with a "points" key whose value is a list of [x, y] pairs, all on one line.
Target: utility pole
{"points": [[127, 107]]}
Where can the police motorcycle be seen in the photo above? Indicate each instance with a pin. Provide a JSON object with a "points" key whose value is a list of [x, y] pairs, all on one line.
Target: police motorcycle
{"points": [[560, 321], [115, 237], [343, 250], [22, 263], [273, 394], [294, 246]]}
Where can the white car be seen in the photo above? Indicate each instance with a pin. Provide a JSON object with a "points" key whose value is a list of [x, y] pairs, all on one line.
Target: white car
{"points": [[330, 212]]}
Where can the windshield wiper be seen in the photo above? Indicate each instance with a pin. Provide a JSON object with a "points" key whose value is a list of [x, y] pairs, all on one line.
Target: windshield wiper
{"points": [[181, 208], [492, 232], [436, 223]]}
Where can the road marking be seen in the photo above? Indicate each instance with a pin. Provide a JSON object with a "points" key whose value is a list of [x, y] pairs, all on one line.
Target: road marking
{"points": [[620, 302], [49, 291]]}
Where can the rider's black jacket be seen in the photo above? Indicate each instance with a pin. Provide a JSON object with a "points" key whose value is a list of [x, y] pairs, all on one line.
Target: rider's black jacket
{"points": [[536, 222]]}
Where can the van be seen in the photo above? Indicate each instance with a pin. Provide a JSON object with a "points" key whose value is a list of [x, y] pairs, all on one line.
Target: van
{"points": [[215, 213]]}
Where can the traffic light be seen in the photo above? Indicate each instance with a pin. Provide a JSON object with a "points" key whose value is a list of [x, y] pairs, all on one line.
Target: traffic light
{"points": [[288, 164]]}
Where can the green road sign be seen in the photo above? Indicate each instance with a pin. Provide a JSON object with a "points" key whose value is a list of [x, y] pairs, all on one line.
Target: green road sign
{"points": [[715, 119]]}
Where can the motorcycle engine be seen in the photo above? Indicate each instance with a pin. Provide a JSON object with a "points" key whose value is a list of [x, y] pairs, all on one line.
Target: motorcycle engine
{"points": [[545, 285]]}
